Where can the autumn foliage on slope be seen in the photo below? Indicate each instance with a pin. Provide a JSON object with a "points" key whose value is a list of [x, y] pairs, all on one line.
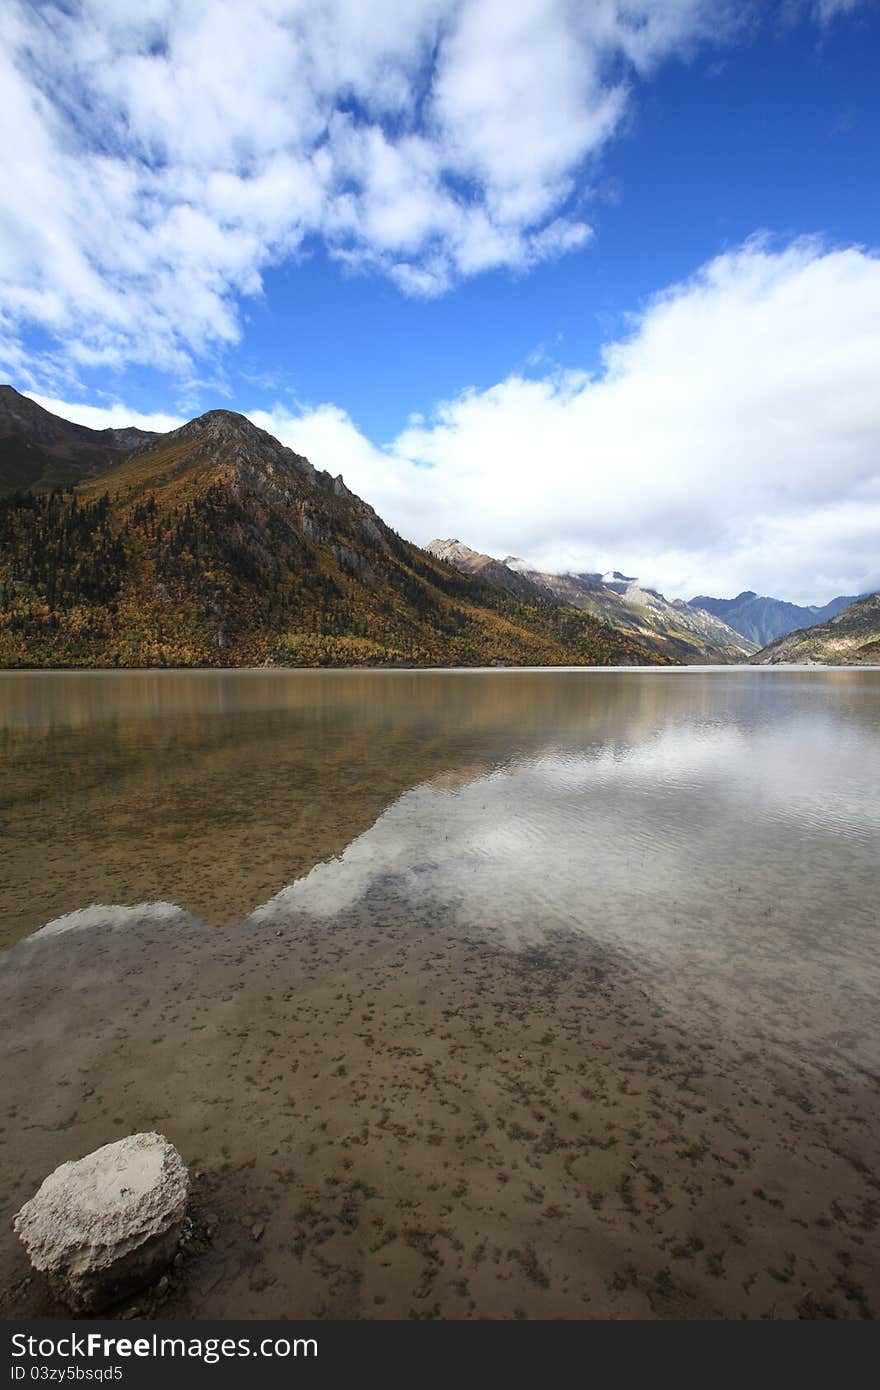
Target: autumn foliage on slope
{"points": [[218, 546]]}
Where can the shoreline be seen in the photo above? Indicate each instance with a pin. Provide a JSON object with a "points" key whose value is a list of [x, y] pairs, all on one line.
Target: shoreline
{"points": [[673, 668]]}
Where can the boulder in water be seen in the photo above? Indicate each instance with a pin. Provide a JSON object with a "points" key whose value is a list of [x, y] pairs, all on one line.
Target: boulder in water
{"points": [[108, 1224]]}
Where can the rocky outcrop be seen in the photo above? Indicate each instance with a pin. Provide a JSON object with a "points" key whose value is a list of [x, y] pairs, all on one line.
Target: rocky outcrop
{"points": [[493, 571], [108, 1224]]}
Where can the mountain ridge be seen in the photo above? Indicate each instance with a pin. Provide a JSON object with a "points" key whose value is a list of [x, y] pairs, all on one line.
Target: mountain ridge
{"points": [[850, 638], [762, 619], [499, 572], [216, 544], [41, 450], [668, 627]]}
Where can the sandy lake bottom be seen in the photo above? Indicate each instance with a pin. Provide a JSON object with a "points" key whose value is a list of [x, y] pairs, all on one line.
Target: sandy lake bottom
{"points": [[514, 994]]}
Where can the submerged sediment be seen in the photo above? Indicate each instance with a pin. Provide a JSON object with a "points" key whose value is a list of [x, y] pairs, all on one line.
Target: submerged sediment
{"points": [[422, 1121]]}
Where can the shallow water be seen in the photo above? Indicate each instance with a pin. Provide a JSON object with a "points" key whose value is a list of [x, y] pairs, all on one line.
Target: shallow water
{"points": [[720, 828], [456, 980]]}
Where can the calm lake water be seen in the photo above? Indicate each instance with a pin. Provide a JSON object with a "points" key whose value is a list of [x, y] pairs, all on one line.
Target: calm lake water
{"points": [[477, 994], [717, 828]]}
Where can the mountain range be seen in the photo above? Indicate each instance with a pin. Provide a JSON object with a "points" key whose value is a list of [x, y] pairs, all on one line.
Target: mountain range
{"points": [[706, 630], [214, 544], [667, 627], [763, 619], [850, 638]]}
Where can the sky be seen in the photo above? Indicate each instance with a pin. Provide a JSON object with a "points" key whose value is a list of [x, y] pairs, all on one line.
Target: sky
{"points": [[593, 284]]}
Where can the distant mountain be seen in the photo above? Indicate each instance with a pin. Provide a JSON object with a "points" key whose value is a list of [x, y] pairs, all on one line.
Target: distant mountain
{"points": [[39, 450], [497, 572], [763, 619], [616, 581], [216, 545], [667, 627], [852, 638]]}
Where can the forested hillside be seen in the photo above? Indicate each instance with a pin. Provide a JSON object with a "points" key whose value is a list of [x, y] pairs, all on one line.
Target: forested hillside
{"points": [[217, 545]]}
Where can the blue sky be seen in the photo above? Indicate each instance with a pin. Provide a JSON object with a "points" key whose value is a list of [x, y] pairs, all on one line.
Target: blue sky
{"points": [[780, 132], [594, 284]]}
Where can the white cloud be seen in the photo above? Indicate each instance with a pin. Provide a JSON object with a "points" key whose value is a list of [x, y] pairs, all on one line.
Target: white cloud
{"points": [[161, 155], [394, 484], [731, 441], [103, 417]]}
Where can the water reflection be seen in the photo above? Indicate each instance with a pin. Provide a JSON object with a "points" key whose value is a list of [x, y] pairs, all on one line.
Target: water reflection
{"points": [[579, 967], [719, 828], [733, 860]]}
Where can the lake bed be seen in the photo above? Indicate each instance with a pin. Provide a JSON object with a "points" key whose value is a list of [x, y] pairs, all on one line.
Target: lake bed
{"points": [[511, 993]]}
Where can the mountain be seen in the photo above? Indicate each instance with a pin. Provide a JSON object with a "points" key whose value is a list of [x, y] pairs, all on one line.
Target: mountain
{"points": [[763, 619], [852, 638], [614, 580], [216, 545], [498, 572], [668, 627], [39, 450]]}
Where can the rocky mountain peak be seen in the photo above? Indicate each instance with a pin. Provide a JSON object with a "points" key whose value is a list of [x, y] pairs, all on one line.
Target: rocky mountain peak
{"points": [[250, 452], [453, 551], [221, 425]]}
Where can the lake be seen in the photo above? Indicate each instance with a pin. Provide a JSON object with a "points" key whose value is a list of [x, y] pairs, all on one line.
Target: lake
{"points": [[348, 925]]}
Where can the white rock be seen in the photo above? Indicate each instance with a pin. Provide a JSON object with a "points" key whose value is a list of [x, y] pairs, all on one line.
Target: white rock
{"points": [[103, 1227]]}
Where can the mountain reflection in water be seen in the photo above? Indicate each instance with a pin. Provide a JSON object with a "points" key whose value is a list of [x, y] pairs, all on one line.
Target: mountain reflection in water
{"points": [[719, 828]]}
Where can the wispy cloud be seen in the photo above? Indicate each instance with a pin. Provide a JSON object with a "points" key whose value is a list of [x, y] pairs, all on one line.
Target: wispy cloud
{"points": [[826, 10]]}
